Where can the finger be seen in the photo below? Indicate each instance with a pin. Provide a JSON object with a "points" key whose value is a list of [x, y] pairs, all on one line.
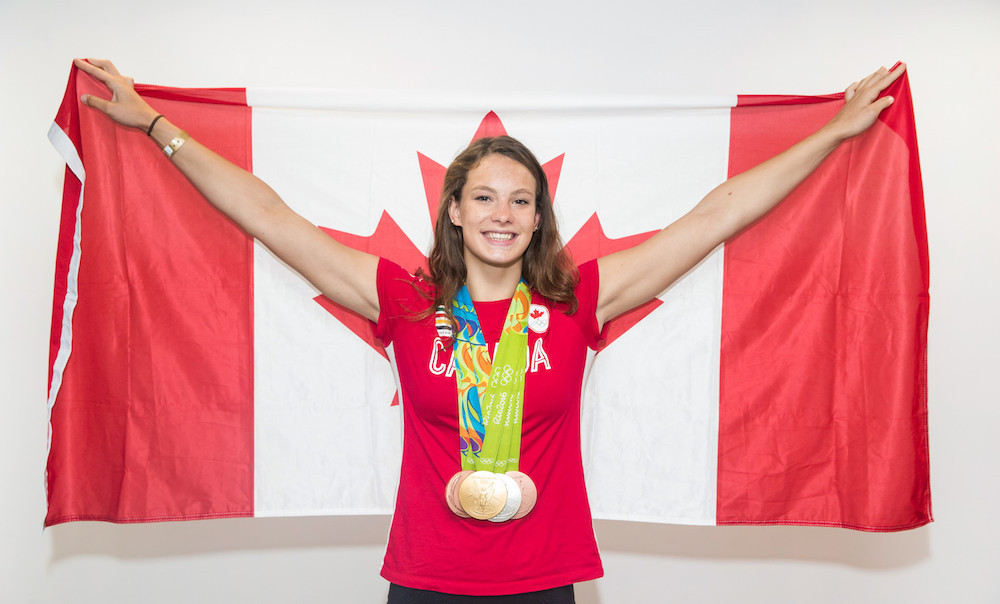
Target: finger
{"points": [[850, 91], [894, 74], [882, 103], [96, 102], [106, 65], [85, 65], [873, 77], [93, 70], [887, 78]]}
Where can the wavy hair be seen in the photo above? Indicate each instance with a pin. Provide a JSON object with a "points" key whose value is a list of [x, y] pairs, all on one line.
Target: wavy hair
{"points": [[546, 265]]}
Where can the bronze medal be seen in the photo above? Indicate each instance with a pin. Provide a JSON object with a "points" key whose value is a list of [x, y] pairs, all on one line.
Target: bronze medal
{"points": [[482, 495], [529, 493], [451, 493]]}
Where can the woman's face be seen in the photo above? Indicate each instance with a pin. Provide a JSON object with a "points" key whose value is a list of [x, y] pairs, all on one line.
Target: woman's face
{"points": [[496, 211]]}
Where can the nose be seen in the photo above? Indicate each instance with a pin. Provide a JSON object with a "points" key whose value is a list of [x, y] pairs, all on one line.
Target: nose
{"points": [[501, 213]]}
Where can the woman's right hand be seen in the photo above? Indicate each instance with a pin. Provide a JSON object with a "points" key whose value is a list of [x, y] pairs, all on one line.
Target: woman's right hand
{"points": [[347, 276], [125, 106]]}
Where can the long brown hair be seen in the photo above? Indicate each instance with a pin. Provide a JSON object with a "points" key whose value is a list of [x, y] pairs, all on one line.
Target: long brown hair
{"points": [[546, 266]]}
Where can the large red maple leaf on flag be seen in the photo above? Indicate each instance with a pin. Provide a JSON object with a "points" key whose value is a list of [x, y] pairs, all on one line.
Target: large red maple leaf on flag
{"points": [[390, 242]]}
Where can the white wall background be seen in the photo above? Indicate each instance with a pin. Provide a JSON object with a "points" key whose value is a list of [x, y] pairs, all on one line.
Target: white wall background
{"points": [[630, 46]]}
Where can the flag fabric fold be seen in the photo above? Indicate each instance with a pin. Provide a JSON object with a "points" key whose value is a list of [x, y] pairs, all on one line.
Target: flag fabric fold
{"points": [[193, 375]]}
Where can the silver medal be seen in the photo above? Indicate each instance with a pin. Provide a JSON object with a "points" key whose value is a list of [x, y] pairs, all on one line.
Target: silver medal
{"points": [[513, 500]]}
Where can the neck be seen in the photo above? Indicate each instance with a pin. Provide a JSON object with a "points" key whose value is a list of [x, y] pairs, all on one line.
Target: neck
{"points": [[489, 283]]}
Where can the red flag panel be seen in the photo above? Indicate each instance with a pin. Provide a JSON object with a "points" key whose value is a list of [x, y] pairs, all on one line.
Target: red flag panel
{"points": [[152, 423], [823, 408]]}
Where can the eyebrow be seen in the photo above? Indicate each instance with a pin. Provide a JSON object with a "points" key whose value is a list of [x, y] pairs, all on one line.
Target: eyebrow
{"points": [[492, 190]]}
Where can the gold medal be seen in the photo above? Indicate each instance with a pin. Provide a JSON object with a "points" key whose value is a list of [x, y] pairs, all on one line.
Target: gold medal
{"points": [[529, 493], [482, 495], [451, 493]]}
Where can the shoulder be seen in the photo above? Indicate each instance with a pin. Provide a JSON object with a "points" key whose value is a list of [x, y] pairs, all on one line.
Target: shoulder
{"points": [[587, 288], [587, 282], [401, 292], [402, 297], [393, 277], [588, 274]]}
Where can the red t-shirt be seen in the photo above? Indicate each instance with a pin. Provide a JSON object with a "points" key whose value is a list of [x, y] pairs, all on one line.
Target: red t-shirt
{"points": [[431, 548]]}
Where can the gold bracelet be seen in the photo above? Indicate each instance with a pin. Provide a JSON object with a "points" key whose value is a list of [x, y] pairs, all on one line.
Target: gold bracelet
{"points": [[175, 143]]}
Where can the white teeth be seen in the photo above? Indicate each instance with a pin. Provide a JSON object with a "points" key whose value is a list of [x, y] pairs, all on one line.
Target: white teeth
{"points": [[500, 236]]}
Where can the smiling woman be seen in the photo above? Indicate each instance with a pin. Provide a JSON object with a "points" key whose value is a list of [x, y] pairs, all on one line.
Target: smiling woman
{"points": [[501, 175], [497, 216], [506, 512]]}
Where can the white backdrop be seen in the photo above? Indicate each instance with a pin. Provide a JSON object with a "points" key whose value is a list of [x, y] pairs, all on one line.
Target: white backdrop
{"points": [[629, 46]]}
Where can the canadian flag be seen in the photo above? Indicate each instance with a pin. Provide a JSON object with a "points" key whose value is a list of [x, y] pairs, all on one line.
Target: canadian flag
{"points": [[193, 375]]}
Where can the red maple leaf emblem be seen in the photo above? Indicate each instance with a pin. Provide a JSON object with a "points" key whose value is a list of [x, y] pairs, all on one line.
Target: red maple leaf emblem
{"points": [[390, 242], [536, 313]]}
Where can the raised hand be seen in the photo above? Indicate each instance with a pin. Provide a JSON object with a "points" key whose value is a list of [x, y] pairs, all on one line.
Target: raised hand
{"points": [[633, 276], [862, 103], [346, 275], [125, 106]]}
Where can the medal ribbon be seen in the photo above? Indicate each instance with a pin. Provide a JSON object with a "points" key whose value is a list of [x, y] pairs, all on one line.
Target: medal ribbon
{"points": [[490, 392]]}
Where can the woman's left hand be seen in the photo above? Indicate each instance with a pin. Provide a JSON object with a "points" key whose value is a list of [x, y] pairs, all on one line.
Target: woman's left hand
{"points": [[633, 276], [862, 103]]}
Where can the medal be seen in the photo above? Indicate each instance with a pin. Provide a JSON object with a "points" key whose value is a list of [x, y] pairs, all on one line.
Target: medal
{"points": [[485, 495], [482, 495], [529, 493], [451, 493], [513, 502]]}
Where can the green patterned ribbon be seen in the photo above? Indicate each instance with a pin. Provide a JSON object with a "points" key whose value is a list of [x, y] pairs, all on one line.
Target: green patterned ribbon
{"points": [[490, 393]]}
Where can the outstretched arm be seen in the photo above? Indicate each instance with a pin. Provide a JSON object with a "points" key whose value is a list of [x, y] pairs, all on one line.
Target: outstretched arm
{"points": [[345, 275], [634, 276]]}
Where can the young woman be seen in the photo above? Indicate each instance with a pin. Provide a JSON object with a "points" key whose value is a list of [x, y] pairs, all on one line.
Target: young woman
{"points": [[506, 511]]}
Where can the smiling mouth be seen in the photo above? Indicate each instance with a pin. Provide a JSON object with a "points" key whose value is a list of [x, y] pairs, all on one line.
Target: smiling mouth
{"points": [[499, 236]]}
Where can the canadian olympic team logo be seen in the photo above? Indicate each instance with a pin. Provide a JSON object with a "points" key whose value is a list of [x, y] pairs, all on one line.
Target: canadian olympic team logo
{"points": [[538, 318]]}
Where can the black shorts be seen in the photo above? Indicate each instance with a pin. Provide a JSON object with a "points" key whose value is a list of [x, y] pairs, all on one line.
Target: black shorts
{"points": [[407, 595]]}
